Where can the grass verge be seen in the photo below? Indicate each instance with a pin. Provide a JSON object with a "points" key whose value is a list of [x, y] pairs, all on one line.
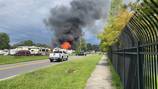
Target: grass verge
{"points": [[69, 75], [16, 59], [116, 81]]}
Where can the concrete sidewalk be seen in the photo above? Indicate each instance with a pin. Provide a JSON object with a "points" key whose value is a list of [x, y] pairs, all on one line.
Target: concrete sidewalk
{"points": [[101, 77]]}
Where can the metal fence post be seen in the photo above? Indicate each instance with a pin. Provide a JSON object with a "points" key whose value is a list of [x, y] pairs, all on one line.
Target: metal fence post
{"points": [[111, 54], [139, 69], [124, 68]]}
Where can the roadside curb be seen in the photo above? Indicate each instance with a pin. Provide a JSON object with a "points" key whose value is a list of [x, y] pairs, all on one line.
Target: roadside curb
{"points": [[9, 77]]}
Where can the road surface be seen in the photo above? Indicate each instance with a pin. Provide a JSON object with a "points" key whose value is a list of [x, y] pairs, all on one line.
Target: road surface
{"points": [[11, 70]]}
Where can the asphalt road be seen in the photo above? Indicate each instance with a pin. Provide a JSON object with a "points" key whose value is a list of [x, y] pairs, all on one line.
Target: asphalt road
{"points": [[12, 70]]}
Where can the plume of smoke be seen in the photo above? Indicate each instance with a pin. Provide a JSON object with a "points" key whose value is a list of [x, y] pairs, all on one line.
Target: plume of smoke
{"points": [[67, 22]]}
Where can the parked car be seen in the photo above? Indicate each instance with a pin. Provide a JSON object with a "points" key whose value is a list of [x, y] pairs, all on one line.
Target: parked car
{"points": [[4, 52], [81, 54], [1, 52], [23, 53], [58, 55], [12, 51]]}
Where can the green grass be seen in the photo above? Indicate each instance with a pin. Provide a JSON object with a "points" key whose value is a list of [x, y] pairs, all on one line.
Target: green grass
{"points": [[69, 75], [16, 59], [157, 81], [116, 81]]}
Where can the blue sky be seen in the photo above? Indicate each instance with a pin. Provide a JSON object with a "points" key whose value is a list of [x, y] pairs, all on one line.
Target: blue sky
{"points": [[23, 20]]}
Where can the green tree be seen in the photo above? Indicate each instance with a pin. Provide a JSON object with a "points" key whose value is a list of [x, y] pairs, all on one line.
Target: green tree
{"points": [[116, 5], [89, 47], [41, 45], [4, 41], [82, 46], [28, 43], [96, 47], [24, 43], [114, 28]]}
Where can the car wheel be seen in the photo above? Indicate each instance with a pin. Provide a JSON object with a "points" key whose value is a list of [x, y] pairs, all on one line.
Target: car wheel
{"points": [[51, 60], [61, 60], [67, 58]]}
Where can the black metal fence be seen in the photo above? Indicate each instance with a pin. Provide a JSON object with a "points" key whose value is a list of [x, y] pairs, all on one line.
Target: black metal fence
{"points": [[135, 56]]}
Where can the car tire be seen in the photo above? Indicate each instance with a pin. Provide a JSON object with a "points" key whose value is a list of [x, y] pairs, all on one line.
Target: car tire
{"points": [[51, 60], [67, 58], [61, 60]]}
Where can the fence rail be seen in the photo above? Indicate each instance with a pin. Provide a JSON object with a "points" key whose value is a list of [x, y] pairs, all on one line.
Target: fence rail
{"points": [[135, 55]]}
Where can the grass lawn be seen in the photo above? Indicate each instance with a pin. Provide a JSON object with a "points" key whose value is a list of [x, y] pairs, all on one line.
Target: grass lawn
{"points": [[69, 75], [16, 59], [116, 81], [157, 81]]}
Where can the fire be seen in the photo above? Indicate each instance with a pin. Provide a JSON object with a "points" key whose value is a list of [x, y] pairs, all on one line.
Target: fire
{"points": [[66, 45]]}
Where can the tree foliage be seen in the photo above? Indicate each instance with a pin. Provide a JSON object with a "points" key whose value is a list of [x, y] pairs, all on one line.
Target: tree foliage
{"points": [[4, 41], [114, 28], [81, 46], [25, 43], [29, 43], [84, 46], [92, 47], [116, 5], [42, 45]]}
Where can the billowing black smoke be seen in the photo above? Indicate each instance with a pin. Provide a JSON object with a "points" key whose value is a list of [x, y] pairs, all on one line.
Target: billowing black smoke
{"points": [[67, 22]]}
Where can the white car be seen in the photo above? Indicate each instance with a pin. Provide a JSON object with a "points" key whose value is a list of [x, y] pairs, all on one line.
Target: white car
{"points": [[58, 55], [4, 52], [1, 52], [13, 51]]}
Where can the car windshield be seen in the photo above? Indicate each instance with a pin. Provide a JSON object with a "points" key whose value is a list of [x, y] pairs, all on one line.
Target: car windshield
{"points": [[57, 52]]}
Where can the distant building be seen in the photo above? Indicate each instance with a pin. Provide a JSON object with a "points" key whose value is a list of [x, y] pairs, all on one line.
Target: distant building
{"points": [[35, 50]]}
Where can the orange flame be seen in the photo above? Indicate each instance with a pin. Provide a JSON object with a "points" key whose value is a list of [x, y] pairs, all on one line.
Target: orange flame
{"points": [[66, 45]]}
